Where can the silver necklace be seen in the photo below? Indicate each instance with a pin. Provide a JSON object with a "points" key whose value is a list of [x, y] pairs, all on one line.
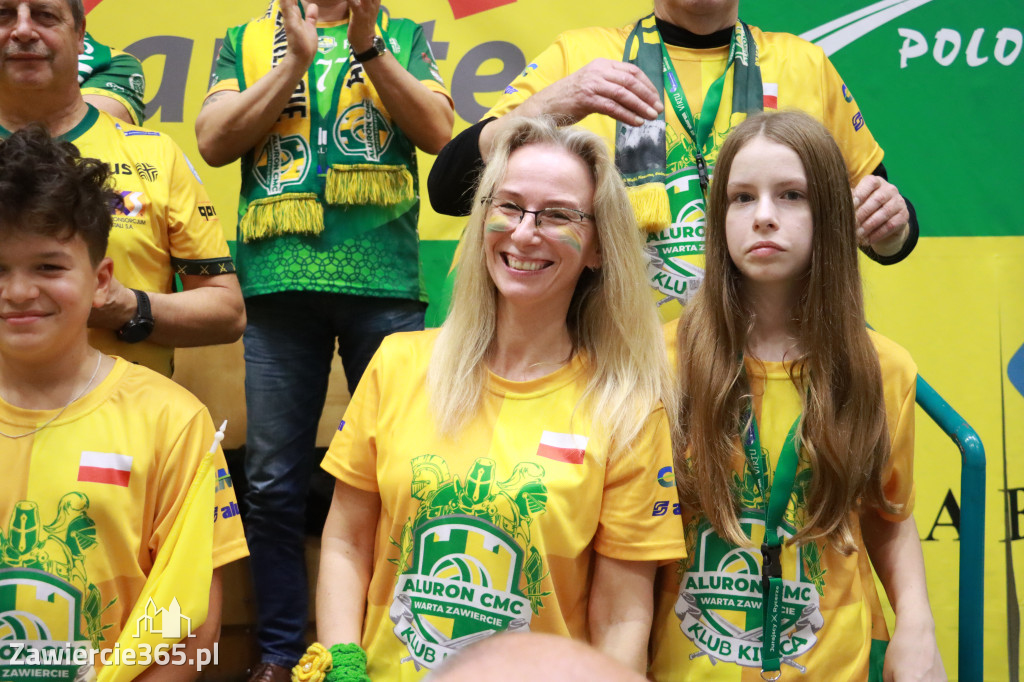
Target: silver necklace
{"points": [[99, 358]]}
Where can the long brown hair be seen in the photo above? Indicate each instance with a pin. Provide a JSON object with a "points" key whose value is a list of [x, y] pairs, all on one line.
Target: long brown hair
{"points": [[843, 433]]}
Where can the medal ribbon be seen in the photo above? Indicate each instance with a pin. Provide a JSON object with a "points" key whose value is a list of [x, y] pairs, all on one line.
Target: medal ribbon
{"points": [[776, 499], [673, 86]]}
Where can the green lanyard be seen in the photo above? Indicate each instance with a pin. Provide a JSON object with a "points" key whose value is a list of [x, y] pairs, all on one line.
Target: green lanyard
{"points": [[777, 498], [673, 86]]}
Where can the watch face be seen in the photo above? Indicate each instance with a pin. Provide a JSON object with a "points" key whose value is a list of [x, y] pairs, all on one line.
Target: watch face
{"points": [[377, 48], [135, 331]]}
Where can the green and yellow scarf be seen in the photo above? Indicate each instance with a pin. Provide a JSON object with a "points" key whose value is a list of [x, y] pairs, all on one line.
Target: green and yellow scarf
{"points": [[336, 147], [640, 151]]}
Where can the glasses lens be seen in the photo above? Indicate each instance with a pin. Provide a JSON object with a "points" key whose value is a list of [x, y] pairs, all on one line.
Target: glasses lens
{"points": [[557, 217], [507, 209]]}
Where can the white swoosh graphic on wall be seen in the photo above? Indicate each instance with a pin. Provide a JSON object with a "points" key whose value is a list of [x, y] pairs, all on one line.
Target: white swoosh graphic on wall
{"points": [[838, 33]]}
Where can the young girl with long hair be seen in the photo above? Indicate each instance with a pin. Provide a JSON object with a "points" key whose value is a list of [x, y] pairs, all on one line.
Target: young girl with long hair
{"points": [[795, 459], [501, 474]]}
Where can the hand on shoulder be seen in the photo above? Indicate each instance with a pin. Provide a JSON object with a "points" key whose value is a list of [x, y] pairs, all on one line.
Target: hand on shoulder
{"points": [[604, 86]]}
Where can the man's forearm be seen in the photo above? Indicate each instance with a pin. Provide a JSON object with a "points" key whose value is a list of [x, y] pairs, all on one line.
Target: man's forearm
{"points": [[425, 116], [231, 123], [209, 311]]}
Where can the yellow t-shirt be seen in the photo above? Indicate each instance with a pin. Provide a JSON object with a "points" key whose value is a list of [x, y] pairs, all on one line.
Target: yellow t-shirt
{"points": [[707, 623], [88, 503], [797, 73], [167, 225], [496, 528]]}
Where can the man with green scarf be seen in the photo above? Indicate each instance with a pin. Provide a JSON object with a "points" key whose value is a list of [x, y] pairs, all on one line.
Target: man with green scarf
{"points": [[325, 105], [664, 92]]}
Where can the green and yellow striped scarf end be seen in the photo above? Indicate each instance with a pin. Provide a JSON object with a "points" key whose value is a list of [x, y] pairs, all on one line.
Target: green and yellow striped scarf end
{"points": [[369, 184], [299, 214]]}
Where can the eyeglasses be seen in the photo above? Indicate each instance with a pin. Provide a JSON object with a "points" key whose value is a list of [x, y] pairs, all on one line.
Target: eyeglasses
{"points": [[544, 217]]}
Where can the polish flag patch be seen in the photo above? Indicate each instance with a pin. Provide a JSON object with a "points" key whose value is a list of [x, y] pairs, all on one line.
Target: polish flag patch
{"points": [[562, 447], [771, 95], [105, 467]]}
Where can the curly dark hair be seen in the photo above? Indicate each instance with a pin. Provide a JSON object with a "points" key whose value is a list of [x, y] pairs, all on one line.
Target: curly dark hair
{"points": [[47, 188]]}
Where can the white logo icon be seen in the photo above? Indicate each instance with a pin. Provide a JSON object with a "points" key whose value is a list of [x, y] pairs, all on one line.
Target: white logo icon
{"points": [[169, 623]]}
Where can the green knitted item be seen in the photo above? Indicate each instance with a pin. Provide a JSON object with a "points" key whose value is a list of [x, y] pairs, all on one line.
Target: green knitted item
{"points": [[349, 664]]}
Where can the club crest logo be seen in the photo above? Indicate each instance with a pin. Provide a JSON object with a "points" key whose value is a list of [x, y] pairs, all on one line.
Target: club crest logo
{"points": [[671, 252], [326, 44], [283, 161], [362, 130], [467, 568], [675, 256], [46, 598], [720, 593]]}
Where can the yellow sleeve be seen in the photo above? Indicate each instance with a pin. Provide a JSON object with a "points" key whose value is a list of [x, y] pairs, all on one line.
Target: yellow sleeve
{"points": [[197, 242], [228, 535], [549, 66], [182, 544], [178, 467], [228, 85], [225, 68], [640, 516], [845, 121], [352, 456], [433, 86], [899, 379]]}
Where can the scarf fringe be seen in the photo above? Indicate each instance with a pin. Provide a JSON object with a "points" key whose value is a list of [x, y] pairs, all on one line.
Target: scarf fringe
{"points": [[650, 204], [281, 215], [369, 184]]}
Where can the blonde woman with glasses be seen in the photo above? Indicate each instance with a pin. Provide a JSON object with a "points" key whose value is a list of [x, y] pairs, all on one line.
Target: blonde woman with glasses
{"points": [[511, 470]]}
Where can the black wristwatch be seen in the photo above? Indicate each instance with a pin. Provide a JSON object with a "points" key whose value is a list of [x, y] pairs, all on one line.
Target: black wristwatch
{"points": [[376, 49], [141, 326]]}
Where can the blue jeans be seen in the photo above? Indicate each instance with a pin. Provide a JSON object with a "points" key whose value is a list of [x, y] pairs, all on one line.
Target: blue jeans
{"points": [[289, 343]]}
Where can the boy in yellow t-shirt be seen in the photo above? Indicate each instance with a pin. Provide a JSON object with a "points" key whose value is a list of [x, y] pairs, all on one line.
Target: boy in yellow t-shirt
{"points": [[109, 552]]}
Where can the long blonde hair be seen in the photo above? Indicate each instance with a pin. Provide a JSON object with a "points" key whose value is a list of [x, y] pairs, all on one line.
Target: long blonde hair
{"points": [[843, 432], [611, 318]]}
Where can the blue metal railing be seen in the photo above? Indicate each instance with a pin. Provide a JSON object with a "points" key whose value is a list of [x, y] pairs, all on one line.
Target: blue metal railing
{"points": [[972, 528]]}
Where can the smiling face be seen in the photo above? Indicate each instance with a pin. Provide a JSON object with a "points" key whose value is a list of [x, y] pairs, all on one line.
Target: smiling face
{"points": [[533, 269], [39, 44], [48, 287], [768, 223]]}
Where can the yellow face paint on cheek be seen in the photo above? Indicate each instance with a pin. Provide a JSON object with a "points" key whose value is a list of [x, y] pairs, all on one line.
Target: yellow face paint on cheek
{"points": [[498, 223], [570, 235]]}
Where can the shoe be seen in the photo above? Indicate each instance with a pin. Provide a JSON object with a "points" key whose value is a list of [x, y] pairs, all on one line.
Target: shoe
{"points": [[270, 672]]}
